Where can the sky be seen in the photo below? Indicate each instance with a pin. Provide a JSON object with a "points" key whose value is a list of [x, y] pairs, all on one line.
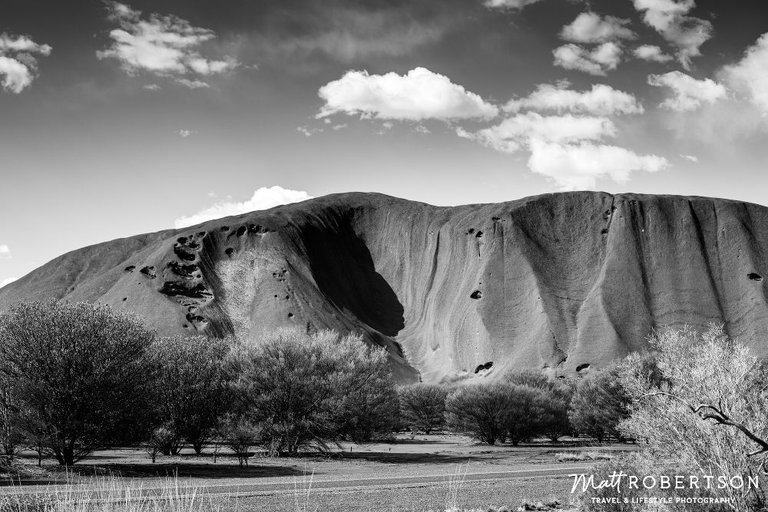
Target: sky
{"points": [[124, 118]]}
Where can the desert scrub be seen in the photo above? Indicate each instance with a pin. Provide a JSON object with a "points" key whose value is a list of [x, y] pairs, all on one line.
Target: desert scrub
{"points": [[114, 494]]}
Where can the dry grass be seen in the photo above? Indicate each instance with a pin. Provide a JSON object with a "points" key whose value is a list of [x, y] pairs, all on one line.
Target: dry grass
{"points": [[115, 494], [590, 456]]}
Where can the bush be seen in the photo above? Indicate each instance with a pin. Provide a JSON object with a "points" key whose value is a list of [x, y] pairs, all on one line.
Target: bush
{"points": [[307, 390], [480, 410], [82, 373], [366, 402], [710, 369], [552, 401], [523, 417], [598, 405], [422, 407], [191, 388], [240, 434]]}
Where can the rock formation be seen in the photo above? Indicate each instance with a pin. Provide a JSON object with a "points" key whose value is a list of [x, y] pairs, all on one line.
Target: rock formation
{"points": [[563, 281]]}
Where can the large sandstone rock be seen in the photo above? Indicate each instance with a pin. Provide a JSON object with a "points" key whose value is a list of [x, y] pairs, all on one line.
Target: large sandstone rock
{"points": [[562, 281]]}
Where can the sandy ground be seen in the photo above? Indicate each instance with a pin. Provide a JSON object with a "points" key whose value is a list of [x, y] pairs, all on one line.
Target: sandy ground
{"points": [[413, 473]]}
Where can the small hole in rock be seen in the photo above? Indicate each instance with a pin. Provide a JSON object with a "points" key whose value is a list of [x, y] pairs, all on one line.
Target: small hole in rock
{"points": [[125, 299], [225, 228], [755, 277], [290, 315], [604, 231], [476, 294], [479, 234], [582, 367], [228, 251], [471, 231], [241, 230], [486, 366]]}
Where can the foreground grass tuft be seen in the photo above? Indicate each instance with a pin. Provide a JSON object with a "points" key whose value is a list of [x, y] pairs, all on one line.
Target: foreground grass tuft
{"points": [[114, 494]]}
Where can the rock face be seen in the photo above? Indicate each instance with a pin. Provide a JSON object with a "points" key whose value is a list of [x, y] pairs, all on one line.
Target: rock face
{"points": [[563, 281]]}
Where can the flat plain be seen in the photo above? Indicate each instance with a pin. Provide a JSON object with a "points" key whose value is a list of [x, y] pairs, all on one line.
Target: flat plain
{"points": [[410, 473]]}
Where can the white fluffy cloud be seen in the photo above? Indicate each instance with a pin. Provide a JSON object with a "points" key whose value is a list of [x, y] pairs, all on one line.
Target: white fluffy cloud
{"points": [[508, 4], [750, 75], [651, 53], [579, 166], [162, 45], [688, 93], [262, 199], [418, 95], [517, 132], [601, 100], [670, 19], [569, 149], [595, 62], [18, 65], [8, 280], [590, 27], [5, 252]]}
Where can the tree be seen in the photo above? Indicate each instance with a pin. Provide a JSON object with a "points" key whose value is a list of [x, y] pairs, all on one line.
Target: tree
{"points": [[480, 410], [552, 401], [82, 371], [240, 434], [598, 405], [191, 388], [308, 390], [11, 422], [703, 400], [366, 402], [422, 406], [524, 413]]}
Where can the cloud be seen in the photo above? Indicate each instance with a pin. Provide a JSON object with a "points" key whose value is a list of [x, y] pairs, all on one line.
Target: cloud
{"points": [[749, 76], [151, 87], [186, 133], [579, 166], [600, 100], [192, 84], [18, 65], [669, 18], [589, 27], [160, 45], [418, 95], [10, 44], [518, 132], [688, 92], [595, 62], [651, 53], [306, 37], [508, 4], [5, 252], [569, 149], [7, 281], [262, 199], [690, 158]]}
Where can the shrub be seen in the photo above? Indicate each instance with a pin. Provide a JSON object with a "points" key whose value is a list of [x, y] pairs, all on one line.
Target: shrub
{"points": [[480, 410], [307, 390], [240, 434], [552, 401], [422, 406], [524, 412], [82, 372], [366, 402], [598, 405], [711, 370], [191, 388]]}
